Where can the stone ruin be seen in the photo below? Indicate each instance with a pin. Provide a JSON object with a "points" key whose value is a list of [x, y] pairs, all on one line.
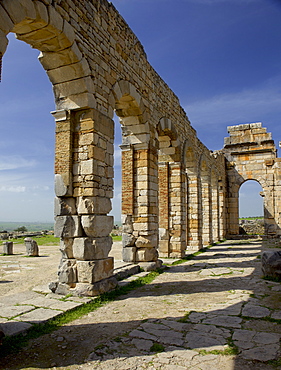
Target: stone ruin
{"points": [[176, 194]]}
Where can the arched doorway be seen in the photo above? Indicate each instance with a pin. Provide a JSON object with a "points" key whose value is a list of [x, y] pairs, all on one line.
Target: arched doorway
{"points": [[251, 208]]}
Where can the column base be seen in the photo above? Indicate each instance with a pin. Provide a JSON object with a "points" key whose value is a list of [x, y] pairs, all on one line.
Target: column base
{"points": [[150, 266], [84, 289]]}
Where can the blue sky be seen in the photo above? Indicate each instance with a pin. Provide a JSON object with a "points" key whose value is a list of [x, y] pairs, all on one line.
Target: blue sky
{"points": [[222, 58]]}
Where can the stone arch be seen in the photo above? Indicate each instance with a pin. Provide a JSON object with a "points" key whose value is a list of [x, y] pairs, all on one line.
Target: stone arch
{"points": [[193, 220], [139, 177], [43, 28], [172, 185], [83, 178]]}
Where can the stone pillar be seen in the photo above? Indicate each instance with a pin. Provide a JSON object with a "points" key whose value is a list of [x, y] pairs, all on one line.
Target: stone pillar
{"points": [[206, 213], [194, 230], [8, 248], [145, 220], [233, 210], [128, 238], [177, 211], [270, 226], [222, 210], [142, 225], [84, 186], [31, 246], [215, 212], [164, 203]]}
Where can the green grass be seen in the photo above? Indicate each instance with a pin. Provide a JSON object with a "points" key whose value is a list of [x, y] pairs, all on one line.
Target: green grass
{"points": [[41, 240], [116, 238], [156, 347]]}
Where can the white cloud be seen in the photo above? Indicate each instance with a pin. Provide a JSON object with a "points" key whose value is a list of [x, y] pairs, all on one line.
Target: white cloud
{"points": [[235, 107], [117, 155], [13, 189], [14, 162]]}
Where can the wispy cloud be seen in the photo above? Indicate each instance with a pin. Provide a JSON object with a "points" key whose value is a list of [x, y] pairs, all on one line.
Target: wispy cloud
{"points": [[15, 162], [247, 105], [13, 189]]}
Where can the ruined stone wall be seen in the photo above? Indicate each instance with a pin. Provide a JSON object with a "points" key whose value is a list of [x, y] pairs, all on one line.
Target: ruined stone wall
{"points": [[97, 67], [251, 155]]}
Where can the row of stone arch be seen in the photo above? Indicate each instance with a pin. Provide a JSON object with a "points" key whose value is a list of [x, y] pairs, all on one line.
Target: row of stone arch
{"points": [[175, 193]]}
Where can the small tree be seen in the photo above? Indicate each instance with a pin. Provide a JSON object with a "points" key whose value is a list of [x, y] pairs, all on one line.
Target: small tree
{"points": [[21, 229]]}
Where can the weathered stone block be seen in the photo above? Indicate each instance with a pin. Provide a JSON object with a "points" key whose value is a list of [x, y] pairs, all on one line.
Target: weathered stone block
{"points": [[5, 21], [31, 247], [97, 225], [93, 271], [64, 206], [3, 42], [163, 233], [150, 266], [271, 264], [8, 247], [60, 188], [91, 248], [146, 242], [146, 254], [91, 290], [93, 205], [66, 247], [129, 254], [128, 240], [67, 272], [67, 227]]}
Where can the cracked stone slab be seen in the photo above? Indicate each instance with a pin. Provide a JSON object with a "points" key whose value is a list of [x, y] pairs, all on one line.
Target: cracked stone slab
{"points": [[12, 327], [261, 353], [197, 340], [142, 344], [256, 311], [12, 311], [142, 335], [227, 321], [276, 315], [39, 315]]}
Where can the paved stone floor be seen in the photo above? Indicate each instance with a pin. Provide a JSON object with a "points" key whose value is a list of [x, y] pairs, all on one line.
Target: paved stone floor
{"points": [[212, 312]]}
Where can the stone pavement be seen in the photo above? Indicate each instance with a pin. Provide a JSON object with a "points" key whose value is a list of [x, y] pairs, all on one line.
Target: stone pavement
{"points": [[212, 312]]}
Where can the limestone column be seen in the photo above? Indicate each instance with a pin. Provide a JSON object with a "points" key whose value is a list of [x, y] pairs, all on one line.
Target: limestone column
{"points": [[215, 212], [177, 211], [144, 207], [206, 214], [164, 204], [233, 210], [84, 186], [194, 230]]}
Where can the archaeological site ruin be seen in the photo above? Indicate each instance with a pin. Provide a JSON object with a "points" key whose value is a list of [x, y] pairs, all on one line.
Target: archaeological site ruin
{"points": [[176, 193]]}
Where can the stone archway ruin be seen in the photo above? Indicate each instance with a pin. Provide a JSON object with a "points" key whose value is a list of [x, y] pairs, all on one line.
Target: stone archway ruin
{"points": [[176, 193]]}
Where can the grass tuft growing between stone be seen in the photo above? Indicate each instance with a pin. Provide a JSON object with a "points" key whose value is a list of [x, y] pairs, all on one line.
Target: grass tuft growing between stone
{"points": [[156, 347]]}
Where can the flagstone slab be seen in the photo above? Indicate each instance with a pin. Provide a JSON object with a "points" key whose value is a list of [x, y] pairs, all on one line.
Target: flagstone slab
{"points": [[227, 321], [256, 311], [39, 315], [12, 311], [12, 327]]}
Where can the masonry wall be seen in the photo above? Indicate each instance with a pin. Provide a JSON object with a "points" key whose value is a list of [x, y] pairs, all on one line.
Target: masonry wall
{"points": [[251, 155], [173, 186]]}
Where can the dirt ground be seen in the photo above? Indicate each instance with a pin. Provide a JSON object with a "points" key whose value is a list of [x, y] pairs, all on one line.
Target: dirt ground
{"points": [[19, 272], [222, 290]]}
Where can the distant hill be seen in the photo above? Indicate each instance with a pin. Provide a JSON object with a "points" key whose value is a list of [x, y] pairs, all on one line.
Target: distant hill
{"points": [[31, 226]]}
